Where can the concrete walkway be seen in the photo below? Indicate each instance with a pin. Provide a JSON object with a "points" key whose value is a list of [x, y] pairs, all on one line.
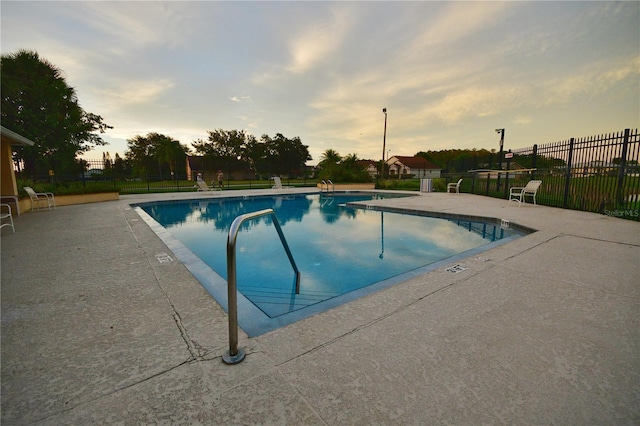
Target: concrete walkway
{"points": [[542, 330]]}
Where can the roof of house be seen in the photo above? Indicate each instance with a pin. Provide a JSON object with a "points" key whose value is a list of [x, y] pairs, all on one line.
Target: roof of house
{"points": [[366, 163], [416, 162], [14, 138]]}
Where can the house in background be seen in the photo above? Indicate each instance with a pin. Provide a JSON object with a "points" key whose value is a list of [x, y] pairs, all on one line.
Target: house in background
{"points": [[597, 168], [195, 165], [414, 167], [370, 166]]}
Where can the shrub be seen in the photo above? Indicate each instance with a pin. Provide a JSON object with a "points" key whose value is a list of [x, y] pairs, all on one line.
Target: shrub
{"points": [[439, 185], [66, 188]]}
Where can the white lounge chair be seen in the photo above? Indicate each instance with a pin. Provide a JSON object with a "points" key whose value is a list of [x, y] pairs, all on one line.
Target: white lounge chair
{"points": [[519, 193], [6, 215], [38, 198], [203, 187], [278, 183], [455, 186]]}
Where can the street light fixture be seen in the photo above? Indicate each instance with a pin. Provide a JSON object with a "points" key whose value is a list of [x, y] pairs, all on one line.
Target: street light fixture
{"points": [[384, 142]]}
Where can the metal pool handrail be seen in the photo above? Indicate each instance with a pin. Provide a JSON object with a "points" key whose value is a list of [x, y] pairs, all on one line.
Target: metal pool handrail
{"points": [[327, 183], [235, 355]]}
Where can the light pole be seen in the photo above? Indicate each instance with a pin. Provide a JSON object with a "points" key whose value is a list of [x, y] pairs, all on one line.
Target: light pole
{"points": [[384, 142], [501, 131]]}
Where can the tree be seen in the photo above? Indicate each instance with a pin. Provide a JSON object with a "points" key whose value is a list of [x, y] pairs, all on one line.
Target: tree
{"points": [[256, 157], [341, 169], [237, 149], [107, 165], [224, 148], [286, 156], [121, 167], [38, 104], [170, 152], [156, 150], [329, 160], [223, 143]]}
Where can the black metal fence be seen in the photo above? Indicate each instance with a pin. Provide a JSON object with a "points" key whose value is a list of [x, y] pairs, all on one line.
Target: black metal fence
{"points": [[596, 174], [122, 177]]}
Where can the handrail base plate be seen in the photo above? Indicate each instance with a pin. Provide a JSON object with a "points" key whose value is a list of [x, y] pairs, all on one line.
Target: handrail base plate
{"points": [[227, 358]]}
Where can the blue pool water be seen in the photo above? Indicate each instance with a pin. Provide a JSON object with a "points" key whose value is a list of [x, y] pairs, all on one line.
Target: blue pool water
{"points": [[338, 249]]}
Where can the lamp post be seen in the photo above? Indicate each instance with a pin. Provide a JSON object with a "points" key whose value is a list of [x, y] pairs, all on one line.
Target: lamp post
{"points": [[501, 131], [384, 142]]}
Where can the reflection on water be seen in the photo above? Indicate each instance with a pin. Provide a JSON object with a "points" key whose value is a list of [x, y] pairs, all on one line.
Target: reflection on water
{"points": [[337, 249]]}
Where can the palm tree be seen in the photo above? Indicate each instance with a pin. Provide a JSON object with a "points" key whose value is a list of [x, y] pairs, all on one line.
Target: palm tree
{"points": [[329, 158]]}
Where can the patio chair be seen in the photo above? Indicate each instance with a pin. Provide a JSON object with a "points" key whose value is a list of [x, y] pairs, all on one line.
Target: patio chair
{"points": [[519, 193], [278, 183], [455, 186], [203, 187], [7, 215], [38, 199]]}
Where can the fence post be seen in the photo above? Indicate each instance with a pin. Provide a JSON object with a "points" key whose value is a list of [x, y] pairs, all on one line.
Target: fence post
{"points": [[82, 171], [506, 178], [486, 192], [533, 160], [489, 174], [568, 175], [623, 165]]}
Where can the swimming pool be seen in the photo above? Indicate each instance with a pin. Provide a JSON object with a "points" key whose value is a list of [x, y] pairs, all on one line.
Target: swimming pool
{"points": [[342, 250]]}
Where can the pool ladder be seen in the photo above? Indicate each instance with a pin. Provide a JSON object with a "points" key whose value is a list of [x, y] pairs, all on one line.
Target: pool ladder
{"points": [[235, 355], [327, 183]]}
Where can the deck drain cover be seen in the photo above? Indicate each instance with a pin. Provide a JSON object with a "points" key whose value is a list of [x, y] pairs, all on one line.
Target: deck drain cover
{"points": [[164, 258], [456, 268]]}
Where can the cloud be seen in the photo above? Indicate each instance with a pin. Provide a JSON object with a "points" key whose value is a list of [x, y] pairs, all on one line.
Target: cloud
{"points": [[239, 98], [520, 119], [478, 102], [592, 79], [317, 42], [459, 20], [163, 23], [128, 92]]}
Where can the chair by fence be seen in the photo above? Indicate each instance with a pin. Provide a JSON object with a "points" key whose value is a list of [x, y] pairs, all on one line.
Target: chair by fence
{"points": [[278, 183], [6, 215], [38, 198], [454, 186], [203, 187], [520, 193]]}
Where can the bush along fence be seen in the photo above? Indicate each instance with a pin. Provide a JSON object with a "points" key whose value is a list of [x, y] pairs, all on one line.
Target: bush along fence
{"points": [[596, 174]]}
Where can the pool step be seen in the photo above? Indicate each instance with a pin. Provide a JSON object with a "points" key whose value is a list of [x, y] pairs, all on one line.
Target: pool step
{"points": [[280, 301]]}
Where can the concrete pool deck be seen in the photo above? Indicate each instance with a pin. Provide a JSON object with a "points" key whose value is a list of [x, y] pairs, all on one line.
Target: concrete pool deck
{"points": [[101, 326]]}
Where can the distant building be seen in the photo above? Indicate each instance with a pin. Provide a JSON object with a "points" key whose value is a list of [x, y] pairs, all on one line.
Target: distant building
{"points": [[414, 167], [597, 168], [93, 173], [370, 167], [195, 165]]}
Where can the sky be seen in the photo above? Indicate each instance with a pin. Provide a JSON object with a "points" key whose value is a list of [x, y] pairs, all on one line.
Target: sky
{"points": [[448, 73]]}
